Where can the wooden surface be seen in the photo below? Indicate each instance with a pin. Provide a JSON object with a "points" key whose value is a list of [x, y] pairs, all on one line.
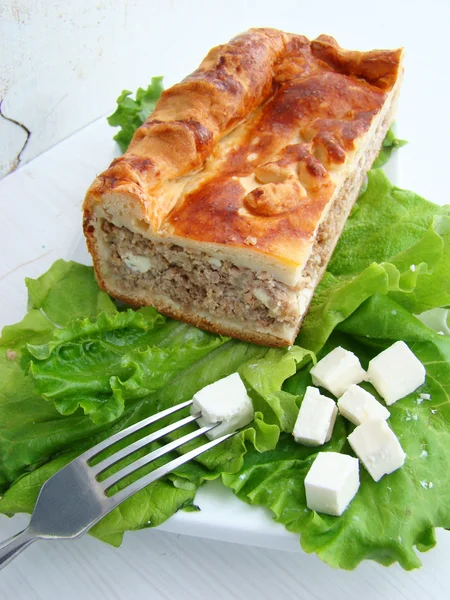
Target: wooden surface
{"points": [[40, 208], [155, 565]]}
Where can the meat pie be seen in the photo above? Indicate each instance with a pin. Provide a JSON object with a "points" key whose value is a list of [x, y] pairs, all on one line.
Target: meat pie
{"points": [[229, 201]]}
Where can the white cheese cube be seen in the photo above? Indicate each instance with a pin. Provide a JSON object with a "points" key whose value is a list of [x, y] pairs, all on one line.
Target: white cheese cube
{"points": [[357, 405], [316, 418], [225, 400], [332, 483], [377, 447], [396, 372], [337, 371]]}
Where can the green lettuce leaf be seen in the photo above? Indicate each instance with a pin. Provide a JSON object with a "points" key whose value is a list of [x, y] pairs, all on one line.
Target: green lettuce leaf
{"points": [[99, 365], [130, 114], [266, 377], [32, 430], [384, 222], [390, 144], [67, 291], [395, 243]]}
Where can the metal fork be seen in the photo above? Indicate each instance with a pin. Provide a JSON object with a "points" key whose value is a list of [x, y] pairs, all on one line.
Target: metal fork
{"points": [[73, 500]]}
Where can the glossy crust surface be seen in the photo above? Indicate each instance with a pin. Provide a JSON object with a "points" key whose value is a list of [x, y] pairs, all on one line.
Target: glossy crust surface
{"points": [[298, 109]]}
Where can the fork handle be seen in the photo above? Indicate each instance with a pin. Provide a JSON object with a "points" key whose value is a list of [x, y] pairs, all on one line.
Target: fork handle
{"points": [[14, 546]]}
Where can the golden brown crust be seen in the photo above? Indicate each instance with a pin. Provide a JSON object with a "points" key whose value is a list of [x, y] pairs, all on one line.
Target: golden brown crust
{"points": [[377, 67], [191, 116], [340, 112], [285, 86]]}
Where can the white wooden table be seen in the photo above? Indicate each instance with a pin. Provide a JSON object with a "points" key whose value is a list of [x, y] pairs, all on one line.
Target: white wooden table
{"points": [[62, 68]]}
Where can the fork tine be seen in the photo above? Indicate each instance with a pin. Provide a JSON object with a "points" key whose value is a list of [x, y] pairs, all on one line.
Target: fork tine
{"points": [[149, 458], [120, 435], [165, 469], [148, 439]]}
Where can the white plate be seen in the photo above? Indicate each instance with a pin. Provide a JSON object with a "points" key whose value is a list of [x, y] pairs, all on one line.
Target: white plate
{"points": [[41, 222]]}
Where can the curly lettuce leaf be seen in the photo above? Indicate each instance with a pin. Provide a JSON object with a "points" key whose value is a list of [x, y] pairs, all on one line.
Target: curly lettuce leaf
{"points": [[268, 400], [100, 365], [266, 377], [384, 222], [67, 291], [394, 243], [130, 114], [32, 430]]}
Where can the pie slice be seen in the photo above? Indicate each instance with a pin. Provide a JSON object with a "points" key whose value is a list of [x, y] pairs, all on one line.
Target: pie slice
{"points": [[228, 203]]}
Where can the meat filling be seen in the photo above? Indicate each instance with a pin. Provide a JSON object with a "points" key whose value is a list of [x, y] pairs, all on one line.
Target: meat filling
{"points": [[198, 281], [201, 283]]}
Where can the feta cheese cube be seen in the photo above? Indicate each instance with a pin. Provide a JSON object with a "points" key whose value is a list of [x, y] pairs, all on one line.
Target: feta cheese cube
{"points": [[396, 372], [332, 483], [316, 418], [225, 400], [377, 447], [337, 371], [357, 405]]}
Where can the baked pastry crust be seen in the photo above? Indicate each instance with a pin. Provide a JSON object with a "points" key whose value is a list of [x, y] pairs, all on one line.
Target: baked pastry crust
{"points": [[255, 159]]}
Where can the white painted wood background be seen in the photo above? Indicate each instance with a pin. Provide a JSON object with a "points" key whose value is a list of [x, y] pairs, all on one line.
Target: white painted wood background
{"points": [[62, 64]]}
